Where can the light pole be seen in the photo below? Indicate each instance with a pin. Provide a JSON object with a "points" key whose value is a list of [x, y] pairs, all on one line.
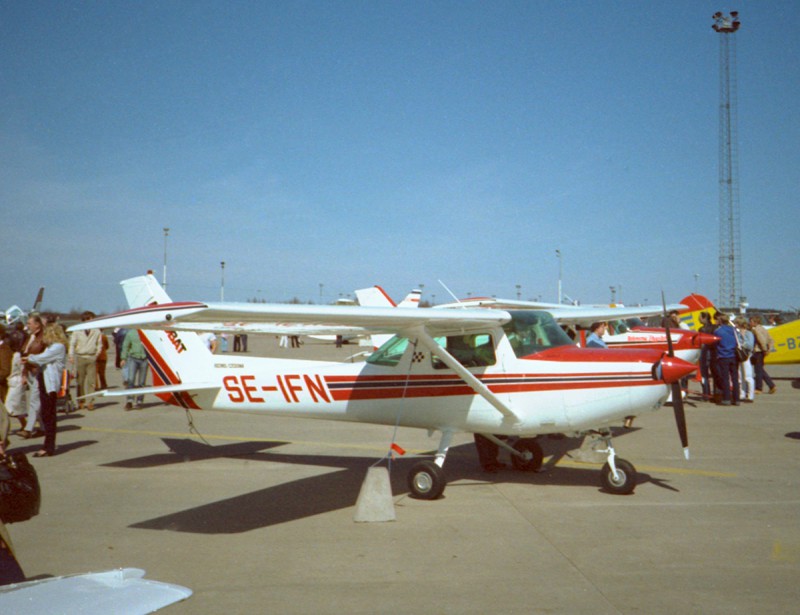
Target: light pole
{"points": [[519, 291], [696, 279], [164, 279], [320, 293], [613, 294], [222, 282], [558, 255]]}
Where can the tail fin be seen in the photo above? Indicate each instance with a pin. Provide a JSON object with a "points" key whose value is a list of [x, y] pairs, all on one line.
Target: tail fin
{"points": [[377, 297], [37, 303], [374, 296], [695, 305], [412, 299], [144, 290], [175, 357]]}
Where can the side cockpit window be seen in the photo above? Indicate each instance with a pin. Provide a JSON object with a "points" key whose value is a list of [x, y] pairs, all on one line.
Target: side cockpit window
{"points": [[476, 350], [390, 353]]}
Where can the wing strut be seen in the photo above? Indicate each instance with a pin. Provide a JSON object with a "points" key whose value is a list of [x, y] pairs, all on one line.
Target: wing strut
{"points": [[469, 378]]}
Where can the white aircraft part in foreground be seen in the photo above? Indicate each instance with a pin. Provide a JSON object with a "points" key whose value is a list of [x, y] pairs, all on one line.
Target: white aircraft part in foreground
{"points": [[122, 592]]}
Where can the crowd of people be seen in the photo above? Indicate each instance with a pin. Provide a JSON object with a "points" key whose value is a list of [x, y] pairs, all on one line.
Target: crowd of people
{"points": [[732, 370], [37, 361]]}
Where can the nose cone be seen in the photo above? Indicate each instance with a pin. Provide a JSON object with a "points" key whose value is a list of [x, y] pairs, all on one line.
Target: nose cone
{"points": [[673, 369], [704, 339]]}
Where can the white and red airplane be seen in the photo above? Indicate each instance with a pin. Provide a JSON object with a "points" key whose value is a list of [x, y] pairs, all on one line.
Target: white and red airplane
{"points": [[498, 372]]}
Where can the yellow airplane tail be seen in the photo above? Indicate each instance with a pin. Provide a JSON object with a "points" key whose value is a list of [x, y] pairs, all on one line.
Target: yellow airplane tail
{"points": [[786, 336], [696, 304]]}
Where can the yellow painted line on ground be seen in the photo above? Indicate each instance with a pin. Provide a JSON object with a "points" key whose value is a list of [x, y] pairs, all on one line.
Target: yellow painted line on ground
{"points": [[366, 447]]}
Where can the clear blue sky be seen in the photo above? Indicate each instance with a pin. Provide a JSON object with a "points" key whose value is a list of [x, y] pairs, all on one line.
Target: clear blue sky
{"points": [[400, 143]]}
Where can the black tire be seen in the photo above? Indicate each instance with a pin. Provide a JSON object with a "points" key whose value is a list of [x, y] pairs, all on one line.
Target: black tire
{"points": [[626, 477], [534, 463], [426, 481]]}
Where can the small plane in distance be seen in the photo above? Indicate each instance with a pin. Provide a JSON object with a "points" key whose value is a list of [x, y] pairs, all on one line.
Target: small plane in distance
{"points": [[16, 314], [375, 296], [508, 373]]}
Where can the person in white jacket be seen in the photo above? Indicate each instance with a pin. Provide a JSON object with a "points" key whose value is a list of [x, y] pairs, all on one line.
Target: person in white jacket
{"points": [[52, 361], [84, 348]]}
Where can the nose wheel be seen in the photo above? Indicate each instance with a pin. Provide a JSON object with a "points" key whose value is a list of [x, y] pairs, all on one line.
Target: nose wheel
{"points": [[618, 475], [619, 482]]}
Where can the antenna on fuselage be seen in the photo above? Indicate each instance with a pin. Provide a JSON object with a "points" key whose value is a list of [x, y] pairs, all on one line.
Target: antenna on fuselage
{"points": [[450, 292]]}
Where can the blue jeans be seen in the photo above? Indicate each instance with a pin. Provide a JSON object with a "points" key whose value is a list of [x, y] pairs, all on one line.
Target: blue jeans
{"points": [[135, 376], [729, 377], [760, 373]]}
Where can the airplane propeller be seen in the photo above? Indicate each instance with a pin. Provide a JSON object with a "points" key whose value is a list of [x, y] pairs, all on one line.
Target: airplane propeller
{"points": [[677, 393]]}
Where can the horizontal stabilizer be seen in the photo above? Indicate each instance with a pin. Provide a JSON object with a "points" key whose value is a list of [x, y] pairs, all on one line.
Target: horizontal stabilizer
{"points": [[167, 388]]}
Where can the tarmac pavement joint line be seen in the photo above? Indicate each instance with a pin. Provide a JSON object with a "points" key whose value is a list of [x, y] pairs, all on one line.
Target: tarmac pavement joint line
{"points": [[566, 558]]}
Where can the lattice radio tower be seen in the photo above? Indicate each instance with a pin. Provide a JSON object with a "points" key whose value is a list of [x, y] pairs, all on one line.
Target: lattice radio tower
{"points": [[730, 272]]}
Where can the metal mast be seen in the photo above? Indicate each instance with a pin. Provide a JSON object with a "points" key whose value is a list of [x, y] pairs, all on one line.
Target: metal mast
{"points": [[730, 273]]}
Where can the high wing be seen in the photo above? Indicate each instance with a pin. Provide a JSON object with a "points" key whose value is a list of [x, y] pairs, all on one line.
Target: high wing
{"points": [[280, 318], [567, 314], [585, 316]]}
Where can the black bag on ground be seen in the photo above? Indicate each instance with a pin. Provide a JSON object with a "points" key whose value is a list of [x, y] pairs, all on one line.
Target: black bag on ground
{"points": [[20, 495]]}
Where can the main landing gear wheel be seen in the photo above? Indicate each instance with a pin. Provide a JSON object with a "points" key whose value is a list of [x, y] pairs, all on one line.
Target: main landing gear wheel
{"points": [[532, 455], [426, 481], [624, 483]]}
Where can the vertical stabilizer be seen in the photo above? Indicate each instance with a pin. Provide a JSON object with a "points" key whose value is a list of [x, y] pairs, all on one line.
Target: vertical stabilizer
{"points": [[412, 299], [175, 357], [37, 303], [374, 296], [377, 297], [144, 290], [695, 305]]}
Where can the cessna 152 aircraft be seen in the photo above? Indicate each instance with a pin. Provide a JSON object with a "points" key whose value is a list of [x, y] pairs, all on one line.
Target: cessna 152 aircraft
{"points": [[495, 372]]}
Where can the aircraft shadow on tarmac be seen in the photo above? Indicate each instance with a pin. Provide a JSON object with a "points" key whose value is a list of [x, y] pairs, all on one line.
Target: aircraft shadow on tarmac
{"points": [[335, 490]]}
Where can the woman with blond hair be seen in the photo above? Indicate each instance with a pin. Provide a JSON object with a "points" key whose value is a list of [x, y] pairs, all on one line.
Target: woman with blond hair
{"points": [[52, 360]]}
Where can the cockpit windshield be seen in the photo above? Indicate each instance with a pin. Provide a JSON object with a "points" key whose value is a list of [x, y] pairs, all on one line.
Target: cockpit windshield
{"points": [[533, 331], [615, 327], [528, 332], [390, 353]]}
